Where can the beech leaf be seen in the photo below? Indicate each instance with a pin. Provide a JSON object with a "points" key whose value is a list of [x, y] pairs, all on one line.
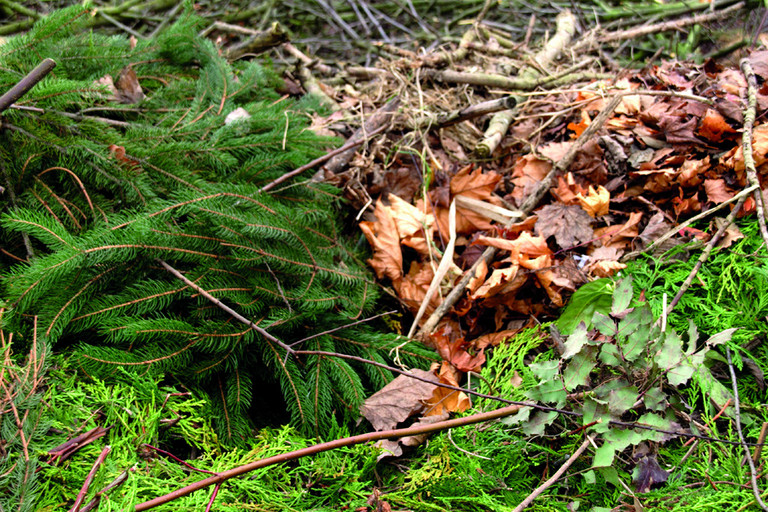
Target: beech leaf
{"points": [[398, 400]]}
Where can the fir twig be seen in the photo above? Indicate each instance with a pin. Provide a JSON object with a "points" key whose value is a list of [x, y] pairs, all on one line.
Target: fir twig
{"points": [[224, 307]]}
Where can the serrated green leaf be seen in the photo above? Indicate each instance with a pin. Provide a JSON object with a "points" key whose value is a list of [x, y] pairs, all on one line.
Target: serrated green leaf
{"points": [[596, 410], [550, 392], [671, 353], [683, 372], [634, 332], [609, 355], [621, 399], [577, 372], [693, 337], [604, 456], [575, 341], [655, 399], [714, 390], [604, 324], [592, 297], [622, 296], [621, 438], [611, 476], [538, 422], [652, 419], [545, 370], [589, 477], [521, 416]]}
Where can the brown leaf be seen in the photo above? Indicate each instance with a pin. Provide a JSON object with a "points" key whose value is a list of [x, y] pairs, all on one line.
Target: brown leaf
{"points": [[446, 400], [395, 448], [714, 127], [717, 191], [605, 268], [569, 224], [657, 226], [128, 88], [414, 227], [398, 400], [387, 258], [526, 175]]}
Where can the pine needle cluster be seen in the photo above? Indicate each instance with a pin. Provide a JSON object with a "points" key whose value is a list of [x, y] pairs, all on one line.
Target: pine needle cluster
{"points": [[98, 192]]}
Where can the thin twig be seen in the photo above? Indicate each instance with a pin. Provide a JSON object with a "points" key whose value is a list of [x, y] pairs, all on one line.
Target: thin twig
{"points": [[330, 445], [705, 254], [322, 159], [746, 145], [88, 479], [224, 307], [737, 417], [527, 501]]}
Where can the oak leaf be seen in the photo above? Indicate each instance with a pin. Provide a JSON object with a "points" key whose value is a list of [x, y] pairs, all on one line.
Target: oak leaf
{"points": [[596, 202], [446, 400]]}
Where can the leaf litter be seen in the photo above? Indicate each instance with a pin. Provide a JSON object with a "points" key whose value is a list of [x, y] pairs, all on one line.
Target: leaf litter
{"points": [[670, 150]]}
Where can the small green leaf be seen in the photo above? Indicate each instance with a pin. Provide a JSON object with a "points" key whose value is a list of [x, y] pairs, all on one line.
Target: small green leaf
{"points": [[592, 297], [654, 420], [671, 352], [681, 373], [604, 456], [550, 392], [609, 355], [577, 372], [621, 438], [622, 296], [693, 337], [604, 324], [596, 410], [545, 370], [589, 477], [575, 341], [521, 416]]}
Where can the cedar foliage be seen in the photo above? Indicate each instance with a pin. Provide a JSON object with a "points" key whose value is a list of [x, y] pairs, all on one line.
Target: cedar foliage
{"points": [[86, 224]]}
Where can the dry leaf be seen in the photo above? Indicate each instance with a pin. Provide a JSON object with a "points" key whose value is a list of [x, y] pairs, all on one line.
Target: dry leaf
{"points": [[398, 400], [569, 224], [596, 202], [717, 191], [382, 235], [446, 400], [128, 88], [414, 227], [395, 448]]}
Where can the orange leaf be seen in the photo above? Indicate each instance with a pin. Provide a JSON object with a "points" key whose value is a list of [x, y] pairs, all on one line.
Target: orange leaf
{"points": [[447, 400], [596, 202], [387, 258]]}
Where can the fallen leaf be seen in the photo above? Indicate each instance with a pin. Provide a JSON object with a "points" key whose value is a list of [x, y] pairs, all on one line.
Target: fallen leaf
{"points": [[714, 127], [382, 235], [569, 224], [605, 268], [398, 400], [596, 202], [446, 400], [128, 87], [394, 448], [717, 191], [414, 227], [526, 175]]}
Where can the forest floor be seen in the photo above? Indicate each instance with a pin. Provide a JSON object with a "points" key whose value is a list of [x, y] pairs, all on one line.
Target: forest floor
{"points": [[497, 161]]}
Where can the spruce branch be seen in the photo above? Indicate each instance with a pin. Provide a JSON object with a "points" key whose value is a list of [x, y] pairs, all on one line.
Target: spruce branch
{"points": [[234, 314]]}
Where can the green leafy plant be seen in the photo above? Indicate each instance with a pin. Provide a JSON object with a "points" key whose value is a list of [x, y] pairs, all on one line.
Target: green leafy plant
{"points": [[622, 366]]}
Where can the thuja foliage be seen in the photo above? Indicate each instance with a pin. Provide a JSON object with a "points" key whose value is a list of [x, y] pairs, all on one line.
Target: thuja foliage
{"points": [[100, 192]]}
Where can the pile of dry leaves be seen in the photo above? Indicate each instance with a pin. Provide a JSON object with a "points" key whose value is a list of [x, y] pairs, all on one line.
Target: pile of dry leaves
{"points": [[564, 193]]}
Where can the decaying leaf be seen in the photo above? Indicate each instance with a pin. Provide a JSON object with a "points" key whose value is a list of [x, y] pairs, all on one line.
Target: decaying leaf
{"points": [[647, 470], [446, 400], [596, 201], [399, 400], [387, 258], [569, 224]]}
